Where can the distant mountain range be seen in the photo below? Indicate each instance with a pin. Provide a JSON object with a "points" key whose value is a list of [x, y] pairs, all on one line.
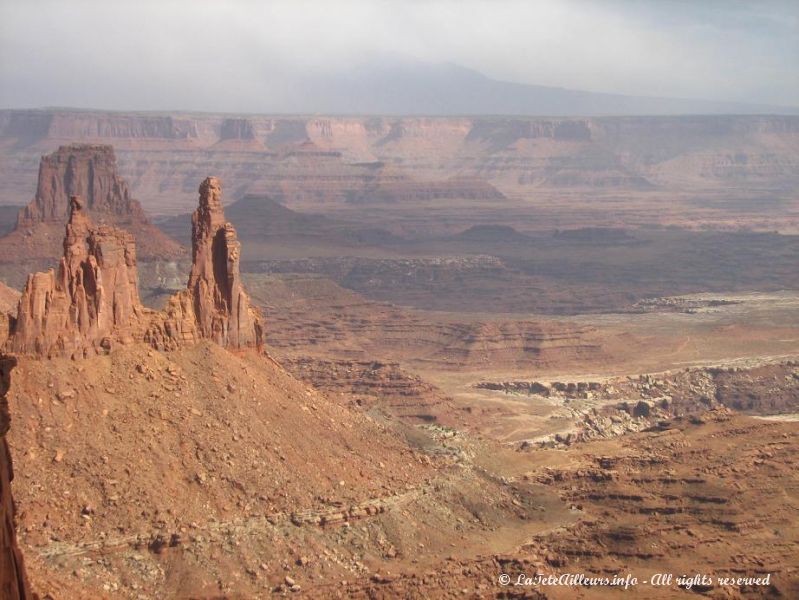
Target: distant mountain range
{"points": [[417, 88]]}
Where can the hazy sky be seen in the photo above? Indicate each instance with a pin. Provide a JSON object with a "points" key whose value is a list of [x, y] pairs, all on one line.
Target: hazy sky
{"points": [[246, 55]]}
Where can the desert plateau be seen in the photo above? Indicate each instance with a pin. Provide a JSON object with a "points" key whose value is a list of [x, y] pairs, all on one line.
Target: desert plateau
{"points": [[405, 331]]}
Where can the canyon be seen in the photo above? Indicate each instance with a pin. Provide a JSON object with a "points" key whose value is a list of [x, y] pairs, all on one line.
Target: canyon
{"points": [[399, 300], [699, 163], [401, 356]]}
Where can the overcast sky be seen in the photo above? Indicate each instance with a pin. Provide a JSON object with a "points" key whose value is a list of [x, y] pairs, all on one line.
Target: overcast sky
{"points": [[246, 55]]}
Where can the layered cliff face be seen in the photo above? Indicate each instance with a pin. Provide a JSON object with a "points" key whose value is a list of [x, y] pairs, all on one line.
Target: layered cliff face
{"points": [[88, 171], [13, 582], [323, 160], [90, 303], [214, 306]]}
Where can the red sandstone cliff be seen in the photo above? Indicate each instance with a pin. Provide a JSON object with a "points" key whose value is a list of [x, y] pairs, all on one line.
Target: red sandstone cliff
{"points": [[516, 155], [91, 303], [214, 306], [13, 582]]}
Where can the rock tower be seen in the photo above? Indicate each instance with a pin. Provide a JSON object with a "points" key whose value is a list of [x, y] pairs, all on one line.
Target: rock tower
{"points": [[214, 305], [90, 303]]}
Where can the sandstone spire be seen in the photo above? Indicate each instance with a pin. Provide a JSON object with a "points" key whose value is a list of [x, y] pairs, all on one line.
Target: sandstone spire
{"points": [[214, 306], [13, 582], [92, 301]]}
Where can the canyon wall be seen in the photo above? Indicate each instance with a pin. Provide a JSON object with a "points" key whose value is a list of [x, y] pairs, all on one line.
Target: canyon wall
{"points": [[340, 159], [13, 581]]}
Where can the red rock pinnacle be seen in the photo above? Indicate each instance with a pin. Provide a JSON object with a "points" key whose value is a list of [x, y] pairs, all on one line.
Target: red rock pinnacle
{"points": [[88, 171], [214, 306], [93, 300]]}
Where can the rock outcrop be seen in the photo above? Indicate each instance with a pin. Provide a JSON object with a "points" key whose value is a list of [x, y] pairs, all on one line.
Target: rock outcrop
{"points": [[13, 582], [85, 170], [91, 303], [88, 171], [214, 306]]}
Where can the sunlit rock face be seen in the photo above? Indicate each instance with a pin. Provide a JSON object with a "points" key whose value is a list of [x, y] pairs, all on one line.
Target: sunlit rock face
{"points": [[214, 305], [90, 303]]}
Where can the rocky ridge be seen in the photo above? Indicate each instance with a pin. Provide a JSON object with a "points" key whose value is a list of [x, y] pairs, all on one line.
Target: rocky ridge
{"points": [[367, 384], [621, 405], [354, 157]]}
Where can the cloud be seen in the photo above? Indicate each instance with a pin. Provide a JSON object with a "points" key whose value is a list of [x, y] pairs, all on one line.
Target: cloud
{"points": [[249, 55]]}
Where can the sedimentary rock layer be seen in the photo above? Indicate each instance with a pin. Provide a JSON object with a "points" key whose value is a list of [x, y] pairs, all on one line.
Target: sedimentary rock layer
{"points": [[322, 159]]}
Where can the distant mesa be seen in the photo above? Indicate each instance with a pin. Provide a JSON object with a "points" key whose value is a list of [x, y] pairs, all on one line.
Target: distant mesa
{"points": [[400, 189], [237, 134], [491, 233], [257, 217], [88, 171], [260, 216], [91, 302], [501, 133], [306, 160], [597, 236], [84, 170], [236, 129]]}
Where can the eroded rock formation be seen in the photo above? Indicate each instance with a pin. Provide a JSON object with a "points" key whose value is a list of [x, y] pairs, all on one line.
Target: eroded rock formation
{"points": [[90, 303], [88, 171], [13, 582], [85, 170], [214, 306]]}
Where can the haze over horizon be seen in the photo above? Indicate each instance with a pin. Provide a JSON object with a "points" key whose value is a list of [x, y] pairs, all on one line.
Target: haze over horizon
{"points": [[439, 57]]}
